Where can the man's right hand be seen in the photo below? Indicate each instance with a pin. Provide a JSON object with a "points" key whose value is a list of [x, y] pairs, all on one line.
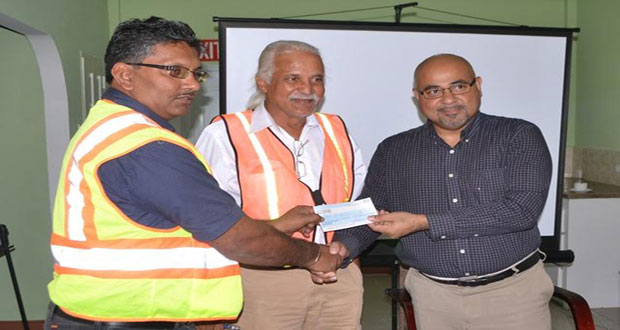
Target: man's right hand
{"points": [[331, 257], [300, 218], [325, 262], [340, 249]]}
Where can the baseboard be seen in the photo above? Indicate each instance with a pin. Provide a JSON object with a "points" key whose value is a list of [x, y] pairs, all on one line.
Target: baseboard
{"points": [[17, 325]]}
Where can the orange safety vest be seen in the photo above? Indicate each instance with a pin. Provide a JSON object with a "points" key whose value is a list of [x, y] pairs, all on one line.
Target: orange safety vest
{"points": [[266, 168], [108, 267]]}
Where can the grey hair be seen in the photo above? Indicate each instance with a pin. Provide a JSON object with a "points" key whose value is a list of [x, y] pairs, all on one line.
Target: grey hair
{"points": [[266, 64]]}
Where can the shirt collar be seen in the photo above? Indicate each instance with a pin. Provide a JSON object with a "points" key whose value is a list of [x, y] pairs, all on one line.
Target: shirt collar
{"points": [[123, 99], [262, 119]]}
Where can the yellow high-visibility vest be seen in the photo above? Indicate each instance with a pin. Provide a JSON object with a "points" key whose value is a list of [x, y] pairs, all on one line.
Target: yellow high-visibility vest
{"points": [[107, 266]]}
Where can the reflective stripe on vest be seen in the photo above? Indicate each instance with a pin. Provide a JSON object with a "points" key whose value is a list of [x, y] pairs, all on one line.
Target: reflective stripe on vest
{"points": [[266, 168], [270, 179], [111, 268]]}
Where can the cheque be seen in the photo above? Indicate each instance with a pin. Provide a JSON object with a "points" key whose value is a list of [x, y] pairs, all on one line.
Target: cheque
{"points": [[345, 215]]}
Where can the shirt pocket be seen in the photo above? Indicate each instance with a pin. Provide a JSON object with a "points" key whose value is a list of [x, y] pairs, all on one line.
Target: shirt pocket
{"points": [[490, 185]]}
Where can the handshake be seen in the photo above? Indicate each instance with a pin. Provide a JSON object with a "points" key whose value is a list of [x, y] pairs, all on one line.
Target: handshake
{"points": [[303, 220], [328, 259], [323, 268]]}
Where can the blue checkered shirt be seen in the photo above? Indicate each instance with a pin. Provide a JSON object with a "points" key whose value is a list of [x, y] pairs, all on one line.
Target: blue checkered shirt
{"points": [[482, 197]]}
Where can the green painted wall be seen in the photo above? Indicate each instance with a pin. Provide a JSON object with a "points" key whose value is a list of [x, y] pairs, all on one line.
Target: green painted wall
{"points": [[23, 174], [74, 25], [199, 14], [598, 115]]}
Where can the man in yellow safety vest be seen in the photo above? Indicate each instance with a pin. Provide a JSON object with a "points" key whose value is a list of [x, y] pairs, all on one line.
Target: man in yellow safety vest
{"points": [[143, 237]]}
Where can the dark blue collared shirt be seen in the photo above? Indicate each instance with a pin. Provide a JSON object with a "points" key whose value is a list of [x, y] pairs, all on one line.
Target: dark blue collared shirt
{"points": [[482, 197], [162, 185]]}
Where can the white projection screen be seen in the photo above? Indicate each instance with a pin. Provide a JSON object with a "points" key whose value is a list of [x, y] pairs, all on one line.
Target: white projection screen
{"points": [[369, 72]]}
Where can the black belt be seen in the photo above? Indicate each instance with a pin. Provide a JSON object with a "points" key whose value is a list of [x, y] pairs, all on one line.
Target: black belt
{"points": [[477, 281], [134, 325]]}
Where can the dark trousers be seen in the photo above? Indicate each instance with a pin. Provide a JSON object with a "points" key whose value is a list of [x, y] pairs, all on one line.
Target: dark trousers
{"points": [[59, 320]]}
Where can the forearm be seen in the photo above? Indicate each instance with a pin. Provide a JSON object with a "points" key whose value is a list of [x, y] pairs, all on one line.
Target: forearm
{"points": [[511, 202], [256, 243], [516, 212]]}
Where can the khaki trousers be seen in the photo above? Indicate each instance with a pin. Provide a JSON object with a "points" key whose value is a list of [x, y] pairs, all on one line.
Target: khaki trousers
{"points": [[289, 300], [518, 302]]}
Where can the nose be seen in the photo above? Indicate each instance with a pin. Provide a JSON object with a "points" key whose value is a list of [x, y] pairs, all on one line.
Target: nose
{"points": [[447, 96], [191, 83], [305, 87]]}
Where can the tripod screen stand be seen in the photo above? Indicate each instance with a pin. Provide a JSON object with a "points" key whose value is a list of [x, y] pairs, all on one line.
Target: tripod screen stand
{"points": [[5, 250]]}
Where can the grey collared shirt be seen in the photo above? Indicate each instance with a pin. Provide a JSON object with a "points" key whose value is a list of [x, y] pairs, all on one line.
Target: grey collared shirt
{"points": [[482, 197]]}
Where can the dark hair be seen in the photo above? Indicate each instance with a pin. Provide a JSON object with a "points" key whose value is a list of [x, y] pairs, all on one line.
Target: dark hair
{"points": [[133, 40]]}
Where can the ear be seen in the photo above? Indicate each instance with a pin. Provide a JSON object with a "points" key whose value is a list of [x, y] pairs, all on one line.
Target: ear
{"points": [[416, 95], [123, 75], [479, 84], [261, 84]]}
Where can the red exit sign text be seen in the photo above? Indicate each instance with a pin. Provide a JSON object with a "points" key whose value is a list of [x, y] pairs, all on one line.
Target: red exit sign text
{"points": [[210, 50]]}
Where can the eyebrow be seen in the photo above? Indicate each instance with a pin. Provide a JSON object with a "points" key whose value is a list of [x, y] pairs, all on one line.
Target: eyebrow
{"points": [[460, 81]]}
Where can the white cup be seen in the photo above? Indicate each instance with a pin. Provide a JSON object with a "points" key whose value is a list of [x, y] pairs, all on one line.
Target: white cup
{"points": [[580, 186]]}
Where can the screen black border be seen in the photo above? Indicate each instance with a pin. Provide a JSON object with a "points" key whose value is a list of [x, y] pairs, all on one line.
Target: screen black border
{"points": [[549, 243]]}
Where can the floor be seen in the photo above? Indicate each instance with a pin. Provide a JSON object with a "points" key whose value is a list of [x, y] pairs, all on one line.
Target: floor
{"points": [[606, 318], [377, 314]]}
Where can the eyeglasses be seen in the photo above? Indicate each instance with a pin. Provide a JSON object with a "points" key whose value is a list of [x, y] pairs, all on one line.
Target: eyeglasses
{"points": [[300, 166], [177, 71], [455, 89]]}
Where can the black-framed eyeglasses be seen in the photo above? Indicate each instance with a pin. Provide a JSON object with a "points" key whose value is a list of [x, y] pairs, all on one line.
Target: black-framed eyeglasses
{"points": [[177, 71], [455, 89]]}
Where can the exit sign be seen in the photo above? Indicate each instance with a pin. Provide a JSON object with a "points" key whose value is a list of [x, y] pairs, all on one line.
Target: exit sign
{"points": [[210, 50]]}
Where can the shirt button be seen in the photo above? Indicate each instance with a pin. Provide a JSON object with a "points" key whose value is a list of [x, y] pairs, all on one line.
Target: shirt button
{"points": [[443, 237], [451, 151], [466, 140], [450, 175], [462, 251], [475, 235], [454, 200], [466, 274]]}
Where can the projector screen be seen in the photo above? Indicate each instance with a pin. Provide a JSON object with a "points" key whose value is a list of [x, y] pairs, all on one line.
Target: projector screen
{"points": [[369, 76]]}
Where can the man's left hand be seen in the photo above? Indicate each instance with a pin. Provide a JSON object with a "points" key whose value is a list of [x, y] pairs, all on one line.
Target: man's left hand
{"points": [[398, 224]]}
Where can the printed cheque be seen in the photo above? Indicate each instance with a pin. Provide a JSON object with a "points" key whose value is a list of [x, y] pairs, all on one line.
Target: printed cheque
{"points": [[345, 215]]}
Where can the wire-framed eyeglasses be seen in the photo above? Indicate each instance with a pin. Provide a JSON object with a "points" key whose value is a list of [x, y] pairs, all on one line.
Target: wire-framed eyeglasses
{"points": [[456, 89], [177, 71], [300, 166]]}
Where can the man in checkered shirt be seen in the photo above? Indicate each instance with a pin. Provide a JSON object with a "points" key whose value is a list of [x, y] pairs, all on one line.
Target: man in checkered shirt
{"points": [[463, 193]]}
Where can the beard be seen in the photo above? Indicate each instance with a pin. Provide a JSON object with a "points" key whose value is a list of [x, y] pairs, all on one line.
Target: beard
{"points": [[453, 116]]}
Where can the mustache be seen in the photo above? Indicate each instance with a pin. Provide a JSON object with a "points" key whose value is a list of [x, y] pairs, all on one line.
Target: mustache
{"points": [[302, 96], [451, 107]]}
